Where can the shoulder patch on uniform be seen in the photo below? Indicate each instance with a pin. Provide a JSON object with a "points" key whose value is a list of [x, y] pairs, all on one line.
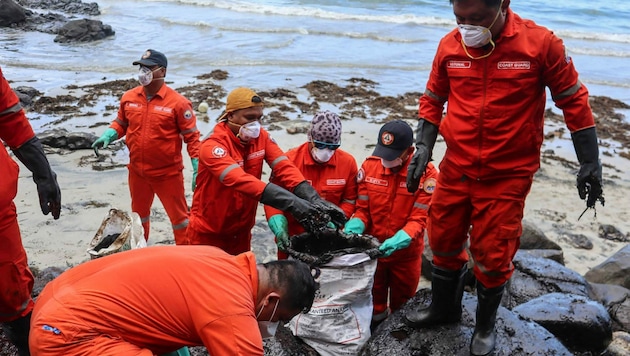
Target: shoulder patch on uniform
{"points": [[188, 115], [360, 175], [567, 58], [219, 152], [429, 185]]}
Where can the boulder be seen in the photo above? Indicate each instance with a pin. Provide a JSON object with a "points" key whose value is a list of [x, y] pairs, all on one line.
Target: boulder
{"points": [[616, 299], [614, 270], [535, 276], [583, 325], [83, 30], [515, 336], [11, 13], [62, 138]]}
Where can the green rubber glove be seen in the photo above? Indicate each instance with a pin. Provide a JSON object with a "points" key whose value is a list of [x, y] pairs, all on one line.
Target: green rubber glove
{"points": [[354, 226], [110, 135], [279, 225], [195, 165], [181, 352], [397, 242]]}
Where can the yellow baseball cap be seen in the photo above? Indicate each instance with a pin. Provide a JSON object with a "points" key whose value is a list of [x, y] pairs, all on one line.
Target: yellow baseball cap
{"points": [[240, 98]]}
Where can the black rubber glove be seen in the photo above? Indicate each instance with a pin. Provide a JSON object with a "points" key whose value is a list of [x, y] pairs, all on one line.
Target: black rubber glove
{"points": [[426, 135], [31, 154], [589, 178], [306, 191], [310, 216]]}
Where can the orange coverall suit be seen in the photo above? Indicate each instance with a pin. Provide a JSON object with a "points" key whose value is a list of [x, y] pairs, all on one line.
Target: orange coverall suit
{"points": [[150, 301], [154, 131], [493, 130], [385, 206], [16, 280], [229, 188], [335, 181]]}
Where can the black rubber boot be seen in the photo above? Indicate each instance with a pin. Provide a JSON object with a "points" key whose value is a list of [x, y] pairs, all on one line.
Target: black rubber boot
{"points": [[484, 337], [447, 288], [17, 331]]}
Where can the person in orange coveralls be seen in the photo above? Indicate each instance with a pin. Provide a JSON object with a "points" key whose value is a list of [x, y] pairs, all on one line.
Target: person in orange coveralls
{"points": [[229, 188], [397, 218], [157, 299], [155, 118], [330, 170], [16, 279], [492, 70]]}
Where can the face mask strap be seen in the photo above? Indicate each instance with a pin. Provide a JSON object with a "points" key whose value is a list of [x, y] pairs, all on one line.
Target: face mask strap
{"points": [[482, 56]]}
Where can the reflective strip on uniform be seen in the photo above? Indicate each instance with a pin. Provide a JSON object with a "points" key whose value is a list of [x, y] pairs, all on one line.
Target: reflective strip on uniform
{"points": [[278, 160], [120, 122], [432, 95], [145, 219], [189, 130], [181, 225], [485, 271], [15, 108], [420, 206], [349, 201], [363, 197], [572, 90], [226, 171]]}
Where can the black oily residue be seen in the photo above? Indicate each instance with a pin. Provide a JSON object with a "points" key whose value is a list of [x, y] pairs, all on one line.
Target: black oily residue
{"points": [[330, 240], [105, 242]]}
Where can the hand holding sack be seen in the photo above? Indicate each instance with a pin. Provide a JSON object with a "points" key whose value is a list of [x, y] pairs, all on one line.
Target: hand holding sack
{"points": [[354, 226], [279, 225], [399, 241], [31, 154]]}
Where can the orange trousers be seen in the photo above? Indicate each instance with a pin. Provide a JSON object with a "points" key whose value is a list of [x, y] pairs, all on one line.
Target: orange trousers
{"points": [[488, 212], [396, 281], [16, 279], [170, 191], [61, 333]]}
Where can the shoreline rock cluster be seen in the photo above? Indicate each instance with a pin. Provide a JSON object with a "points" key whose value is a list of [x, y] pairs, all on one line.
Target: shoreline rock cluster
{"points": [[60, 20]]}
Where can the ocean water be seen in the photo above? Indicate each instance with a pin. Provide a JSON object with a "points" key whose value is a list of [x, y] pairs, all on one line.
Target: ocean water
{"points": [[288, 43]]}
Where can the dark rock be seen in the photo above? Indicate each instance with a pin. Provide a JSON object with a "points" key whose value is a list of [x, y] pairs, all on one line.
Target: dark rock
{"points": [[26, 95], [61, 138], [583, 325], [514, 335], [11, 13], [610, 232], [66, 6], [533, 238], [43, 277], [616, 300], [577, 240], [535, 276], [614, 270], [83, 30]]}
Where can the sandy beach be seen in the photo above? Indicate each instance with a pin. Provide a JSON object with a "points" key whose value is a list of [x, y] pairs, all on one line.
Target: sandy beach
{"points": [[88, 194]]}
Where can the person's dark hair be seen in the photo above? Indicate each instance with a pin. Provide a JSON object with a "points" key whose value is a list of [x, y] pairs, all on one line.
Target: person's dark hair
{"points": [[296, 280], [489, 3]]}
